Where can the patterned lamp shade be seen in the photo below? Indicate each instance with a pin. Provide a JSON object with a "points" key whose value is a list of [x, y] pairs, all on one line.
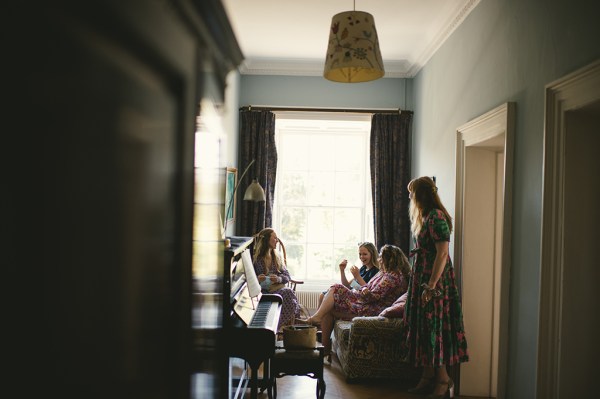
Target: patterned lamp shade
{"points": [[353, 53]]}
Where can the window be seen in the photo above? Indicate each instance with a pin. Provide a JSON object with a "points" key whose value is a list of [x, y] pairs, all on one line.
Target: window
{"points": [[322, 206]]}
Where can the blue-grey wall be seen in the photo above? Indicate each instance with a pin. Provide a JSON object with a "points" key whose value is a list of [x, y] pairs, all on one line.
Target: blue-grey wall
{"points": [[505, 51], [315, 91]]}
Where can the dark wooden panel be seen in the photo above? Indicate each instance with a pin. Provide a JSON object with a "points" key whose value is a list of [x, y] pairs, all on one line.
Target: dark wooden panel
{"points": [[104, 97]]}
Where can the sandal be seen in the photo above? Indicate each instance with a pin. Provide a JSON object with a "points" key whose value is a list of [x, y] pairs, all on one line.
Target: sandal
{"points": [[448, 392], [425, 386]]}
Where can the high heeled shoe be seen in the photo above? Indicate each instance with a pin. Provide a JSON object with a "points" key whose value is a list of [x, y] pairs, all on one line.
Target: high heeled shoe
{"points": [[425, 386], [448, 393]]}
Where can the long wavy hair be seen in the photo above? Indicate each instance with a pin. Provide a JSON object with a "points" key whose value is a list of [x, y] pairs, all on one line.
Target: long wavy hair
{"points": [[424, 198], [262, 248], [394, 260], [369, 246]]}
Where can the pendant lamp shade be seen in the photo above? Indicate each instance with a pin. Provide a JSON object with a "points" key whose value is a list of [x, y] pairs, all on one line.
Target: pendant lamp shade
{"points": [[353, 53]]}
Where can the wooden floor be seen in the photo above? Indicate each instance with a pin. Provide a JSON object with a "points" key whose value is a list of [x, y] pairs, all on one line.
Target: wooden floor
{"points": [[298, 387]]}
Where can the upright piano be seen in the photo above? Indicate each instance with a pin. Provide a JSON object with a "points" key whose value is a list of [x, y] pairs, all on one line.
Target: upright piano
{"points": [[248, 333]]}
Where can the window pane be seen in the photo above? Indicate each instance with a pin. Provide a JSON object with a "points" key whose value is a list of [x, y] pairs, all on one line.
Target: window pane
{"points": [[320, 262], [292, 186], [349, 252], [320, 188], [321, 156], [296, 260], [349, 153], [348, 226], [348, 189], [320, 225], [295, 153], [293, 224]]}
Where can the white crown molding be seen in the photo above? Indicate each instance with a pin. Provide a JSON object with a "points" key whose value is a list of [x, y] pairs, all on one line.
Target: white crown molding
{"points": [[458, 17], [393, 68], [309, 67]]}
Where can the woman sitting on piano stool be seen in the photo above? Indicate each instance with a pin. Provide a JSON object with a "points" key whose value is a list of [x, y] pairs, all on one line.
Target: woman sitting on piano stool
{"points": [[273, 275]]}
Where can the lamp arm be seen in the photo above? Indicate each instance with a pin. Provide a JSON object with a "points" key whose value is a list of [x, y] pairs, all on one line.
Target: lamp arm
{"points": [[233, 195]]}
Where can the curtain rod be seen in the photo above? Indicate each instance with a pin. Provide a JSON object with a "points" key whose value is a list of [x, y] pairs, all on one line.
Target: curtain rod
{"points": [[349, 110]]}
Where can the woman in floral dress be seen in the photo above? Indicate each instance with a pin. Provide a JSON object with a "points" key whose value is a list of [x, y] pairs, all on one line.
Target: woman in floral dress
{"points": [[271, 269], [433, 315], [341, 302]]}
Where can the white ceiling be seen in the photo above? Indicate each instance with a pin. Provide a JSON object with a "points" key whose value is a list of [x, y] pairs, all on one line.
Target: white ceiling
{"points": [[284, 37]]}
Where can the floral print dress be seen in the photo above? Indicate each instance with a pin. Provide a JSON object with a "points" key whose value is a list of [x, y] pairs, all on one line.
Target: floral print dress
{"points": [[379, 293], [435, 332], [290, 309]]}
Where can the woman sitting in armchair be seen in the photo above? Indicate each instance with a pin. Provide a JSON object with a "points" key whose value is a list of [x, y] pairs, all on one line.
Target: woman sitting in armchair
{"points": [[381, 291], [273, 275], [367, 252]]}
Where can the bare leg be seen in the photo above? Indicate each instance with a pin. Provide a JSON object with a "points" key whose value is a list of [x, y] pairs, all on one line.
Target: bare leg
{"points": [[326, 329], [325, 307], [321, 296], [442, 381], [426, 383]]}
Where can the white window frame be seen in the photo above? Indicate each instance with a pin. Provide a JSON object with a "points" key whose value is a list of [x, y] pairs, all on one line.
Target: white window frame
{"points": [[330, 123]]}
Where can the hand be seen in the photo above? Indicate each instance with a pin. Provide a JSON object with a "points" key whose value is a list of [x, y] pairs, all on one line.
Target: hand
{"points": [[261, 278], [343, 264], [429, 293], [355, 271], [273, 278], [426, 296]]}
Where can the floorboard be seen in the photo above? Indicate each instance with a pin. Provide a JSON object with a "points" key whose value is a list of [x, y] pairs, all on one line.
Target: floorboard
{"points": [[299, 387]]}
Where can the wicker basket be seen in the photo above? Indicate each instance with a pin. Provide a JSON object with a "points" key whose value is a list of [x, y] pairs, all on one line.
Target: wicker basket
{"points": [[299, 337]]}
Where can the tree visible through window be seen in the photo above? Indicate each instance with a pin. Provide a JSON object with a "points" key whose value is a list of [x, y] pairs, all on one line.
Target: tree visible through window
{"points": [[322, 207]]}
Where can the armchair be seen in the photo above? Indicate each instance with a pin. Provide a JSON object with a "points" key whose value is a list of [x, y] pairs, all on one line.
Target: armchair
{"points": [[370, 347]]}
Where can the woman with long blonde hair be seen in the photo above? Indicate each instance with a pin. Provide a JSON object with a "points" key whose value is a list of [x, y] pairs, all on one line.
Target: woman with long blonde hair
{"points": [[367, 253], [433, 315]]}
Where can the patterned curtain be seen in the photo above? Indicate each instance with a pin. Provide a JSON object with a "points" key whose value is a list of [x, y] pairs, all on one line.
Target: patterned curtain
{"points": [[390, 174], [256, 142]]}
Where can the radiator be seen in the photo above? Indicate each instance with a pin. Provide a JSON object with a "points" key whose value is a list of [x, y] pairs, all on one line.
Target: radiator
{"points": [[310, 299]]}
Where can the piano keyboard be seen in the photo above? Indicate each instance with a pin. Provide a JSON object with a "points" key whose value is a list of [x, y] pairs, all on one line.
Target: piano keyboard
{"points": [[265, 315]]}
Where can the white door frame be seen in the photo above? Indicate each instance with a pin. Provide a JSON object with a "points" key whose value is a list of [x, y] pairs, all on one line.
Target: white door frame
{"points": [[497, 124], [569, 93]]}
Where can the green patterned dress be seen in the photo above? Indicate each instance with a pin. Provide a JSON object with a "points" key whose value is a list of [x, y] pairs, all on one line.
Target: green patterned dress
{"points": [[434, 331]]}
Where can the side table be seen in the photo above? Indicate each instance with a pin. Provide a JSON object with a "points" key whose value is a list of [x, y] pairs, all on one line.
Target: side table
{"points": [[302, 362]]}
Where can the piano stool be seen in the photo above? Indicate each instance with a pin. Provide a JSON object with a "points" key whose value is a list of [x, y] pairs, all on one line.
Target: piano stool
{"points": [[300, 362]]}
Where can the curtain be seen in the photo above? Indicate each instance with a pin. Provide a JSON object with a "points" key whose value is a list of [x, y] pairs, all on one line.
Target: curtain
{"points": [[390, 174], [256, 142]]}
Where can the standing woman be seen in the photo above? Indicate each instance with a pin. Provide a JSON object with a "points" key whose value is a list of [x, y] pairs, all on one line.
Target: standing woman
{"points": [[433, 314], [272, 273]]}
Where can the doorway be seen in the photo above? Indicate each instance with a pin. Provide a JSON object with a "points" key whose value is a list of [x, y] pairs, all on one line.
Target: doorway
{"points": [[569, 320], [482, 245]]}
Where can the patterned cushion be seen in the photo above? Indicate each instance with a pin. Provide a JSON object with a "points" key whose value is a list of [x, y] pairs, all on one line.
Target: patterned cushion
{"points": [[396, 309]]}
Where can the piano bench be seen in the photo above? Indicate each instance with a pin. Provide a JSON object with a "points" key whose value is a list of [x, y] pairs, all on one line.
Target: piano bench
{"points": [[301, 362]]}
